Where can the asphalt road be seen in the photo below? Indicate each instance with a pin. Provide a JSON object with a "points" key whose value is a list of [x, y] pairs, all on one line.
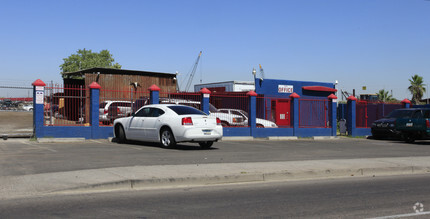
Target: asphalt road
{"points": [[345, 198], [20, 157]]}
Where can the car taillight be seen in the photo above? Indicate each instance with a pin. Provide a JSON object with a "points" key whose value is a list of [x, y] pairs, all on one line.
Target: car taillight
{"points": [[218, 121], [427, 123], [187, 121], [105, 111]]}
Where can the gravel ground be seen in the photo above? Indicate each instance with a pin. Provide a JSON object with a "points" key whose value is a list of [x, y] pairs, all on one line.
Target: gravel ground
{"points": [[16, 122]]}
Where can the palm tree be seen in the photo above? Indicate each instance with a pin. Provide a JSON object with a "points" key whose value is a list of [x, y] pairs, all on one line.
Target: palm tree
{"points": [[384, 96], [417, 88]]}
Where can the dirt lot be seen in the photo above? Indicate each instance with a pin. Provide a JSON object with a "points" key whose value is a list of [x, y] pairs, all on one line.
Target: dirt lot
{"points": [[12, 122]]}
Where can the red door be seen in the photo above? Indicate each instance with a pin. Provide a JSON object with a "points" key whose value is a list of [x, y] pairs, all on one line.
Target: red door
{"points": [[282, 112]]}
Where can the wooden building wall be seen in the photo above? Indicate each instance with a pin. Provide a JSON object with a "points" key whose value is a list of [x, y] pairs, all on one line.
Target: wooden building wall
{"points": [[117, 86]]}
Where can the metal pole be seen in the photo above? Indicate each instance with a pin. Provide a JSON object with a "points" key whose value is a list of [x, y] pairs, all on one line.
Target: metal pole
{"points": [[50, 105], [80, 106]]}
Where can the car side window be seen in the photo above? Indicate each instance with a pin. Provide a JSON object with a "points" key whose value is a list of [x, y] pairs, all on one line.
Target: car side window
{"points": [[417, 114], [427, 114], [155, 112], [144, 112], [236, 113]]}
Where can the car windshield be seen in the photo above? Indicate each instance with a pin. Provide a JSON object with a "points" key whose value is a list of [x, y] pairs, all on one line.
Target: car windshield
{"points": [[400, 114], [244, 113], [186, 110], [212, 108]]}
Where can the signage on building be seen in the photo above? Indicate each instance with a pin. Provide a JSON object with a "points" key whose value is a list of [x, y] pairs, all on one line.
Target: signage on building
{"points": [[285, 88]]}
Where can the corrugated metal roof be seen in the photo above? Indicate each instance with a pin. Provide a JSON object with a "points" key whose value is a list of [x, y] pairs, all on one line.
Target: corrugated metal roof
{"points": [[120, 71]]}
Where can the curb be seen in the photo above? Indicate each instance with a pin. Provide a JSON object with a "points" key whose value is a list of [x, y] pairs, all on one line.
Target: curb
{"points": [[60, 140], [325, 137], [243, 177], [188, 175], [282, 138], [237, 138]]}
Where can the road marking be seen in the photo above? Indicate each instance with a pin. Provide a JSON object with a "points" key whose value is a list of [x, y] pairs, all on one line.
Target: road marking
{"points": [[402, 215], [49, 149], [96, 141]]}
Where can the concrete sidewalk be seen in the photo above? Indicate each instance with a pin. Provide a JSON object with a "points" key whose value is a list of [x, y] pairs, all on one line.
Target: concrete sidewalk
{"points": [[144, 177]]}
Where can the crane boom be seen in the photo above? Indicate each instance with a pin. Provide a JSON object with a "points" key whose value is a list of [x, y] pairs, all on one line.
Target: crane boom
{"points": [[190, 79]]}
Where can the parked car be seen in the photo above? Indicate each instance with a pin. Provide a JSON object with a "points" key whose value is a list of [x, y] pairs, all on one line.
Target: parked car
{"points": [[261, 123], [169, 124], [417, 126], [110, 110], [28, 107], [6, 103], [226, 118], [139, 103], [386, 127]]}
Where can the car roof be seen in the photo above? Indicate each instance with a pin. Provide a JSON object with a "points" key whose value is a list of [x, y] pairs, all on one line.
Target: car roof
{"points": [[116, 101]]}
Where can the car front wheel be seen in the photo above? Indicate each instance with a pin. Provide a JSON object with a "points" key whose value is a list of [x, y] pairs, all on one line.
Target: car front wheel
{"points": [[121, 134], [166, 138], [206, 144]]}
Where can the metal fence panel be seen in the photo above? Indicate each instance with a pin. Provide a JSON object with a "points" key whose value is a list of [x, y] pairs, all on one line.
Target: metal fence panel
{"points": [[368, 112], [120, 103], [65, 106], [313, 113]]}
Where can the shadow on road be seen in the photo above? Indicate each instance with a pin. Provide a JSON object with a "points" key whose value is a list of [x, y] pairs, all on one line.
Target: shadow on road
{"points": [[179, 146]]}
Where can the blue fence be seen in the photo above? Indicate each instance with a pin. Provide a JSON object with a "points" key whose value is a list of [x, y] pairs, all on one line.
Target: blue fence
{"points": [[93, 130]]}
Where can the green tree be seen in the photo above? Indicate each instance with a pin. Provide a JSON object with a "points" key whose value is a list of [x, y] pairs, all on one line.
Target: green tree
{"points": [[417, 88], [84, 59], [384, 96]]}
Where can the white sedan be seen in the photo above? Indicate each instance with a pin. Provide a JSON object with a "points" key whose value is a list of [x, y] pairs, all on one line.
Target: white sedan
{"points": [[169, 124]]}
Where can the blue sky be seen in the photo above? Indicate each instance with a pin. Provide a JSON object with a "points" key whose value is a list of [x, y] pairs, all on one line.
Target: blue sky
{"points": [[373, 43]]}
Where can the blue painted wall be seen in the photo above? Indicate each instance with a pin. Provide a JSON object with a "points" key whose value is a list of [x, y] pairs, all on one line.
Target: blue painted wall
{"points": [[269, 87]]}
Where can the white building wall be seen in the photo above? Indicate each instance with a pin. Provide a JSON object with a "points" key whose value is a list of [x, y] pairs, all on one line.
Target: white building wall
{"points": [[230, 86], [243, 87]]}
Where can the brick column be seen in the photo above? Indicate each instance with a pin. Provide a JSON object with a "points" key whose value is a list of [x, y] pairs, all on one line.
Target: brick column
{"points": [[94, 109], [351, 115], [205, 99], [38, 107], [295, 112], [406, 103], [252, 112], [154, 94], [333, 114]]}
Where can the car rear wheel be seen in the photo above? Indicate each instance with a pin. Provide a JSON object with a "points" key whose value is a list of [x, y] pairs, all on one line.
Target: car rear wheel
{"points": [[260, 126], [224, 124], [409, 138], [206, 144], [167, 139], [121, 134]]}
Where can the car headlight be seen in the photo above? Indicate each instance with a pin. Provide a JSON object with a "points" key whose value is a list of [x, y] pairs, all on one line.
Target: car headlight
{"points": [[373, 124], [392, 125]]}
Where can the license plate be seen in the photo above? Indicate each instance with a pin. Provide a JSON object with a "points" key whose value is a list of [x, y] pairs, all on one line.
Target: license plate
{"points": [[409, 124], [207, 131]]}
